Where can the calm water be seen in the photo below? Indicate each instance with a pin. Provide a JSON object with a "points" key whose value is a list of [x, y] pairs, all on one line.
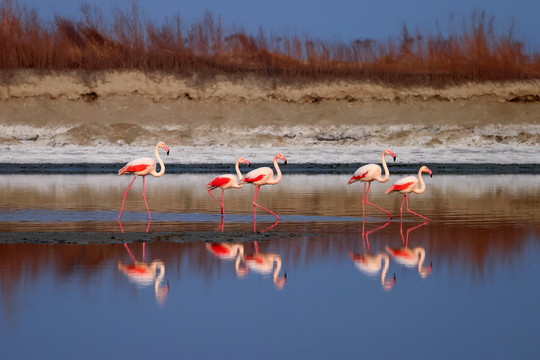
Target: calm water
{"points": [[74, 286]]}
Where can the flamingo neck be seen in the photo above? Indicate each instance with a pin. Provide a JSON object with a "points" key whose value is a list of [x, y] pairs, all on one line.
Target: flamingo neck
{"points": [[278, 172], [385, 268], [161, 267], [385, 167], [278, 268], [162, 167], [421, 253], [238, 173], [422, 186]]}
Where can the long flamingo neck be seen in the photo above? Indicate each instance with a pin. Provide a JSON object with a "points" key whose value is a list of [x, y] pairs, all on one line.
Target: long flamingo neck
{"points": [[385, 268], [162, 166], [278, 268], [278, 172], [386, 173], [236, 166], [422, 186], [422, 254]]}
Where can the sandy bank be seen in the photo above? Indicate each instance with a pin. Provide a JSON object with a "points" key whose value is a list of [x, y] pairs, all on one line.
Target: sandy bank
{"points": [[162, 86]]}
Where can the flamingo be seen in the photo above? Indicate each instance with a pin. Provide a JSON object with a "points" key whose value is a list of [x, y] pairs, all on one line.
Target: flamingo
{"points": [[226, 182], [371, 264], [144, 274], [370, 172], [264, 176], [229, 251], [411, 258], [264, 263], [410, 184], [143, 167]]}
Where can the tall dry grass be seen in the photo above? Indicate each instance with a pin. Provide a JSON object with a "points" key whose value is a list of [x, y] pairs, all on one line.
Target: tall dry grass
{"points": [[473, 53]]}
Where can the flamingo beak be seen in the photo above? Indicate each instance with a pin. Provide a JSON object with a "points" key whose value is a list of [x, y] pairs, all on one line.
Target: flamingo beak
{"points": [[394, 158]]}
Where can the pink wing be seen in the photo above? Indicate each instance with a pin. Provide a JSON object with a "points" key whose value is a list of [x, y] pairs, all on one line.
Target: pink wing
{"points": [[399, 187], [218, 182]]}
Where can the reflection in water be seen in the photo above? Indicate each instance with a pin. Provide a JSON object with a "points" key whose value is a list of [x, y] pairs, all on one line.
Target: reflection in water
{"points": [[411, 257], [145, 274], [262, 263], [122, 228], [371, 264]]}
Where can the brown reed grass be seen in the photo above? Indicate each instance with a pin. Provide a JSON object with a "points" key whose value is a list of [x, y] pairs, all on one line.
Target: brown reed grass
{"points": [[475, 53]]}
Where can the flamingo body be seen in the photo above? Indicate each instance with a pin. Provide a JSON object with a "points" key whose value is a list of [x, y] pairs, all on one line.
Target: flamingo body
{"points": [[410, 184], [411, 258], [367, 174], [404, 185], [259, 176], [264, 176], [143, 167], [139, 167], [225, 182]]}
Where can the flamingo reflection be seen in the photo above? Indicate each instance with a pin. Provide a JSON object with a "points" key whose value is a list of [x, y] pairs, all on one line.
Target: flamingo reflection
{"points": [[371, 264], [411, 257], [228, 252], [263, 263], [145, 274]]}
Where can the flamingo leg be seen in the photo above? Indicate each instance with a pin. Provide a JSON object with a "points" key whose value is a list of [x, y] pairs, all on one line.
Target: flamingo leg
{"points": [[375, 206], [401, 208], [412, 212], [220, 204], [255, 204], [144, 198], [124, 200]]}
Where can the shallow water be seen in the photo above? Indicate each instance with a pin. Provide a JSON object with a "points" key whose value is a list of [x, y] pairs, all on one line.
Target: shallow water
{"points": [[69, 280]]}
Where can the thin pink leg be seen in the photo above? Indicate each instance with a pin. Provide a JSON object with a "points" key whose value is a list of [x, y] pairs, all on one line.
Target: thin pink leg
{"points": [[380, 208], [124, 200], [144, 197], [255, 204], [401, 208], [220, 204], [412, 212], [130, 253], [143, 251]]}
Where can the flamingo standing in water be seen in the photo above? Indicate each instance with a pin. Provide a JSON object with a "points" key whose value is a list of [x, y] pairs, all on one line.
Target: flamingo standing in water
{"points": [[370, 172], [410, 184], [143, 167], [226, 182], [264, 176]]}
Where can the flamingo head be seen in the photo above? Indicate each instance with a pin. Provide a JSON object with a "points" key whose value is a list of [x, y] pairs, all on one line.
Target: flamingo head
{"points": [[280, 156], [243, 161], [425, 271], [389, 284], [391, 153], [280, 282], [426, 169], [162, 145]]}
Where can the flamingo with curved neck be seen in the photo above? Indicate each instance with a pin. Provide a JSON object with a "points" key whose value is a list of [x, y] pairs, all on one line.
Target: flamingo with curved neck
{"points": [[369, 172], [264, 176], [143, 167], [410, 184], [264, 263], [225, 182], [412, 258]]}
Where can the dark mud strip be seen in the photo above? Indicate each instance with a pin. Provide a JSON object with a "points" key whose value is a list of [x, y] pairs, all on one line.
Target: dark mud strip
{"points": [[82, 238], [438, 168]]}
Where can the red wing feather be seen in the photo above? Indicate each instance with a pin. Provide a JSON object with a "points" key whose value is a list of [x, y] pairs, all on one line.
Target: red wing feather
{"points": [[220, 249], [260, 177], [400, 186], [136, 168], [219, 181]]}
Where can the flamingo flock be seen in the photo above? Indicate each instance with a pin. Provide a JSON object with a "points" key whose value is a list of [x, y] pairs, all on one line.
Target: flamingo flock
{"points": [[265, 176]]}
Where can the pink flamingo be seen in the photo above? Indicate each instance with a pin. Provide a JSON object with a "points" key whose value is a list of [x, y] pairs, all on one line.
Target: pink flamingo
{"points": [[371, 264], [226, 182], [263, 263], [143, 167], [264, 176], [411, 258], [370, 172], [410, 184]]}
